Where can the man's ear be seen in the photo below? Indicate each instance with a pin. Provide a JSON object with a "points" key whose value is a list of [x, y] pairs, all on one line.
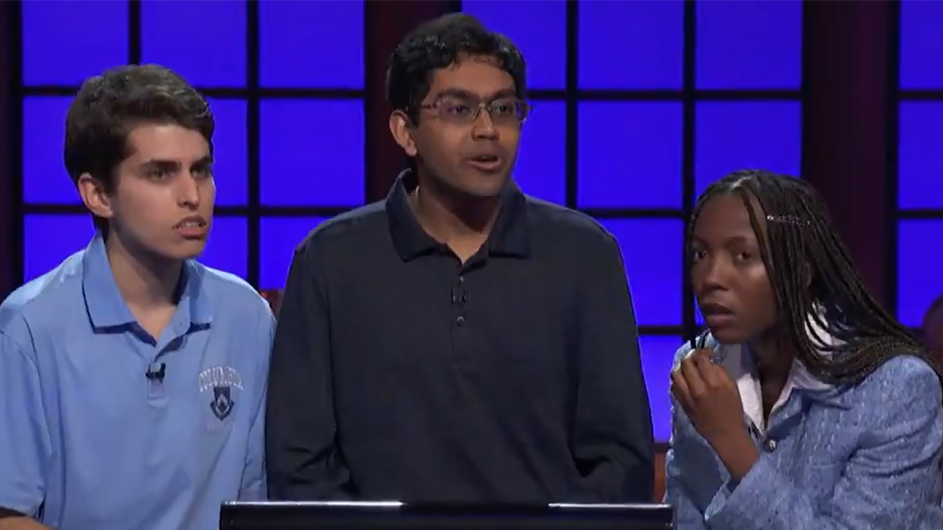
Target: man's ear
{"points": [[95, 196], [402, 130]]}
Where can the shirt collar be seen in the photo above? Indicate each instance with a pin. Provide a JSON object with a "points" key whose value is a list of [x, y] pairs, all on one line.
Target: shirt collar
{"points": [[739, 362], [106, 307], [510, 235]]}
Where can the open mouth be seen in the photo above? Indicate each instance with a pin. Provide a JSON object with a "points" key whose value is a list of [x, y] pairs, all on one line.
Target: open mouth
{"points": [[192, 228], [717, 315], [485, 162]]}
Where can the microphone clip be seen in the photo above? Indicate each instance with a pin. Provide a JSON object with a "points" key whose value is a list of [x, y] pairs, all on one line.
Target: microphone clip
{"points": [[156, 372]]}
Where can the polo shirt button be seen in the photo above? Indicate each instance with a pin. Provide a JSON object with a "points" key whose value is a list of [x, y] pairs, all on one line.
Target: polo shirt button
{"points": [[460, 321], [771, 445]]}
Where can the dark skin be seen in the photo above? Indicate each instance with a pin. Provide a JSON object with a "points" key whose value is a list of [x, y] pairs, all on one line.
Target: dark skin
{"points": [[933, 329], [736, 297], [709, 398], [457, 200]]}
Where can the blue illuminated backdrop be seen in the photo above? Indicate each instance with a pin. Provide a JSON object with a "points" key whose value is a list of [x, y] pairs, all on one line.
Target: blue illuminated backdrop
{"points": [[919, 161], [288, 104], [637, 107]]}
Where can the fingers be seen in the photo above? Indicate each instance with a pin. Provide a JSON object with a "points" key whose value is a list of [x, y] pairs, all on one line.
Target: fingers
{"points": [[679, 387], [696, 376], [703, 352], [686, 384], [712, 375], [692, 376]]}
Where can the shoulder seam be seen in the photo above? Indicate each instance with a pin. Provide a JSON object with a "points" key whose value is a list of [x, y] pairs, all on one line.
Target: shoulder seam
{"points": [[18, 347]]}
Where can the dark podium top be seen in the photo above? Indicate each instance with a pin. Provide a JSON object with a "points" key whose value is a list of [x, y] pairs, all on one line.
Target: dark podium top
{"points": [[402, 516]]}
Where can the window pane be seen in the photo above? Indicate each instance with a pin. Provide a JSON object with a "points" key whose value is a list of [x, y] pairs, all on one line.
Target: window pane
{"points": [[655, 37], [42, 253], [65, 41], [921, 45], [749, 44], [227, 246], [207, 45], [45, 179], [279, 238], [537, 27], [749, 135], [651, 249], [311, 44], [920, 260], [657, 355], [312, 152], [629, 155], [230, 147], [920, 174], [541, 163]]}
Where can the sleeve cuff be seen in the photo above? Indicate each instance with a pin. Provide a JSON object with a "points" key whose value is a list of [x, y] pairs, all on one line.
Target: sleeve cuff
{"points": [[746, 504], [252, 495], [20, 503]]}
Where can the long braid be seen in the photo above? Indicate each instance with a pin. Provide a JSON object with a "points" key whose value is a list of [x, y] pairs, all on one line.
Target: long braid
{"points": [[812, 275]]}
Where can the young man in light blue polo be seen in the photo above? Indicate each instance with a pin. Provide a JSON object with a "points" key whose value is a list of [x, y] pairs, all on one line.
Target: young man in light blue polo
{"points": [[132, 378]]}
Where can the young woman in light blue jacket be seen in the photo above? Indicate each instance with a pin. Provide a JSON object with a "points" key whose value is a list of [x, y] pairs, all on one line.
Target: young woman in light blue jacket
{"points": [[807, 406]]}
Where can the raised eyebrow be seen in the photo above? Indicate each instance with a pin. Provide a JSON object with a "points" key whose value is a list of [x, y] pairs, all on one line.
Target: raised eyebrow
{"points": [[465, 94], [502, 94], [166, 165], [739, 239], [735, 239], [455, 93]]}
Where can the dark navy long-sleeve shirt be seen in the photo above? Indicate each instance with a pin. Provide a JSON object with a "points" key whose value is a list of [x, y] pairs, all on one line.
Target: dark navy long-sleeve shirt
{"points": [[399, 373]]}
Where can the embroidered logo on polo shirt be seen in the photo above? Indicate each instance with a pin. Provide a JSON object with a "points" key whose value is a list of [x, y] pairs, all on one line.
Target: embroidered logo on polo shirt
{"points": [[224, 381]]}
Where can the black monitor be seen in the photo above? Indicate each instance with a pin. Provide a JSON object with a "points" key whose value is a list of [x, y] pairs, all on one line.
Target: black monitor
{"points": [[402, 516]]}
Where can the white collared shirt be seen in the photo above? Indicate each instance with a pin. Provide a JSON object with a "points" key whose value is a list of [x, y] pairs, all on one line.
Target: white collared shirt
{"points": [[739, 362]]}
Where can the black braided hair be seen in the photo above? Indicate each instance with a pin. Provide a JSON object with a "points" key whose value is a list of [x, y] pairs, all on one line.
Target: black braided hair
{"points": [[800, 246]]}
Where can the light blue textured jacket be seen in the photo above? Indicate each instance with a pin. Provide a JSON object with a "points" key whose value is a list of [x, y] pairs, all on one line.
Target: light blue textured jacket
{"points": [[863, 457]]}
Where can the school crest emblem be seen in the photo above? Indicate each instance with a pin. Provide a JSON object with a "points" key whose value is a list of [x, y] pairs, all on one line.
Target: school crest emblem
{"points": [[222, 402], [225, 382]]}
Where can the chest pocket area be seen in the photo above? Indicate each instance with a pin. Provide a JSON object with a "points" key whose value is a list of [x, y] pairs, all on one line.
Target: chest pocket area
{"points": [[819, 464], [522, 338], [222, 398], [220, 406]]}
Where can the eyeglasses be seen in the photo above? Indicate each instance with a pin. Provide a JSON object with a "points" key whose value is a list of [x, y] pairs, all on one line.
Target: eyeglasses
{"points": [[461, 111]]}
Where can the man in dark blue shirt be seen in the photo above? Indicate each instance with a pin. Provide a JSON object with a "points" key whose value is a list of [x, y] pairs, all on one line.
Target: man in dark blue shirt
{"points": [[458, 341]]}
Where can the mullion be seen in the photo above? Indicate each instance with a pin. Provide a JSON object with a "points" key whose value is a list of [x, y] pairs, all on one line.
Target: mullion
{"points": [[245, 211], [18, 230], [891, 264], [571, 132], [135, 42], [223, 92], [253, 156], [688, 150]]}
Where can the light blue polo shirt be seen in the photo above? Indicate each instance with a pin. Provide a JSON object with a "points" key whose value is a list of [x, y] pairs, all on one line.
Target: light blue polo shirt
{"points": [[88, 442]]}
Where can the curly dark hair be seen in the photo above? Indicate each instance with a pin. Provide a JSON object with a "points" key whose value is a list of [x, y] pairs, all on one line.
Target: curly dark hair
{"points": [[110, 105], [439, 43]]}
